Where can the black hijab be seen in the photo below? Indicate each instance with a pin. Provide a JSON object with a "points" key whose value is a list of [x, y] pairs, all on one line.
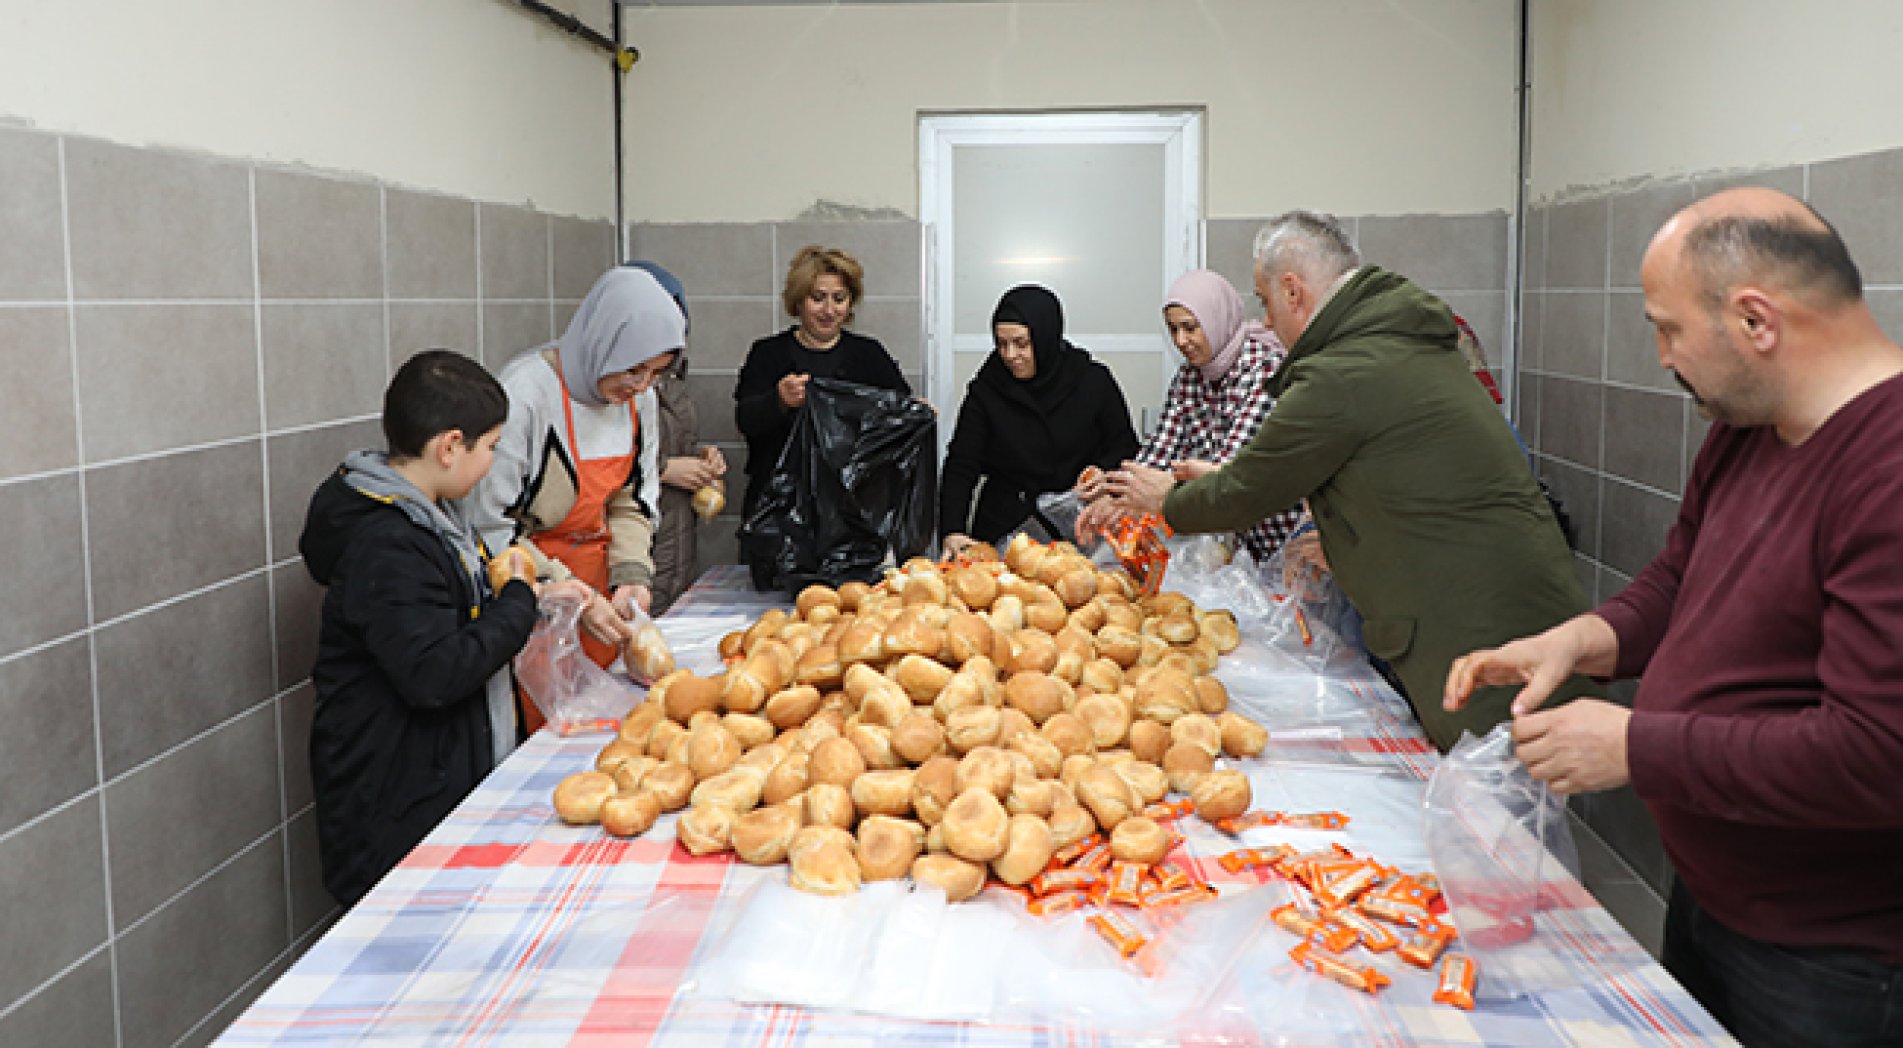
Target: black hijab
{"points": [[1037, 308]]}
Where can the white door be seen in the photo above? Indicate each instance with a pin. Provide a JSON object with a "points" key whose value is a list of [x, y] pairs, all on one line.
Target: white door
{"points": [[1105, 209]]}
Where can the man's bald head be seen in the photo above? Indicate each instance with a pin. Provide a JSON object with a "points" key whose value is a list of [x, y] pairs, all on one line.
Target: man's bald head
{"points": [[1762, 238]]}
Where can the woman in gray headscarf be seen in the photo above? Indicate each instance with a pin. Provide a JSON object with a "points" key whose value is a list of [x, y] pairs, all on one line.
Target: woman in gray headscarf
{"points": [[577, 470]]}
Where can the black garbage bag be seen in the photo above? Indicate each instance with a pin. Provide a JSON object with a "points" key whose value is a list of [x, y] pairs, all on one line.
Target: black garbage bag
{"points": [[859, 476]]}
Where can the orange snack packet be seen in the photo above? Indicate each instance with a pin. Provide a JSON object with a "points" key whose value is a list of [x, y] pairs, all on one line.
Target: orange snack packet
{"points": [[1457, 977]]}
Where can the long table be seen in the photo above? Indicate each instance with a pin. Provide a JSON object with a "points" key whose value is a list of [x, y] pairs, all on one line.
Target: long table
{"points": [[507, 927]]}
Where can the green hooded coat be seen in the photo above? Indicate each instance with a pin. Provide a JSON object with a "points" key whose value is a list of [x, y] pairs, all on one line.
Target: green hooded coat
{"points": [[1431, 521]]}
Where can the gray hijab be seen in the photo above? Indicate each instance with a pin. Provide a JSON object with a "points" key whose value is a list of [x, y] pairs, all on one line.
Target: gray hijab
{"points": [[627, 319]]}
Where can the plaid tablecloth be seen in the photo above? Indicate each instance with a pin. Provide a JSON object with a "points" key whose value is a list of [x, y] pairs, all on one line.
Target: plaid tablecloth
{"points": [[506, 927]]}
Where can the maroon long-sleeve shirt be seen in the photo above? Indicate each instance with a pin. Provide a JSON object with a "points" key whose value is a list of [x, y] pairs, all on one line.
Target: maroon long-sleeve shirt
{"points": [[1767, 736]]}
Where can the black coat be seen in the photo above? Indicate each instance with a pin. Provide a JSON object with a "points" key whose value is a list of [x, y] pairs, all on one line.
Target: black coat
{"points": [[1022, 449], [766, 422], [401, 732]]}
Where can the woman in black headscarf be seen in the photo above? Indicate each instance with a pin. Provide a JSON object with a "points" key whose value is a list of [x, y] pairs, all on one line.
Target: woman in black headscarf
{"points": [[1038, 413]]}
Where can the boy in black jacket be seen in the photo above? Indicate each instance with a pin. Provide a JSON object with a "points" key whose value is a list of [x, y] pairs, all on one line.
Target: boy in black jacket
{"points": [[413, 706]]}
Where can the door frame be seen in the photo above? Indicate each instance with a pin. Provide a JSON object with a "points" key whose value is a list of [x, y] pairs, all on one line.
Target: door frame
{"points": [[1178, 131]]}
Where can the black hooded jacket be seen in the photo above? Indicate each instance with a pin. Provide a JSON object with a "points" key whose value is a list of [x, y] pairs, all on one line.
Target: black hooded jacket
{"points": [[401, 732], [1027, 437]]}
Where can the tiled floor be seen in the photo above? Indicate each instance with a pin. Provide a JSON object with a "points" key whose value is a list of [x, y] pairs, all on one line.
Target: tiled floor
{"points": [[1630, 899]]}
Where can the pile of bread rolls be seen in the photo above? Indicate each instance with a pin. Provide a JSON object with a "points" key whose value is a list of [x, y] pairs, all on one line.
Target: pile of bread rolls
{"points": [[951, 723]]}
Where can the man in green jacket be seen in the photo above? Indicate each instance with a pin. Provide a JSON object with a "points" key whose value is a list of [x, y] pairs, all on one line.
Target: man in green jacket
{"points": [[1429, 517]]}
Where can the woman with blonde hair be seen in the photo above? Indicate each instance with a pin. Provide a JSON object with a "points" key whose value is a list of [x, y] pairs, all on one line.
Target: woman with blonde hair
{"points": [[823, 285]]}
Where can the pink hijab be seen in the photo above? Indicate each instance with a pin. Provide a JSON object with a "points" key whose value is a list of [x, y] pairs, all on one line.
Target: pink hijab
{"points": [[1209, 295]]}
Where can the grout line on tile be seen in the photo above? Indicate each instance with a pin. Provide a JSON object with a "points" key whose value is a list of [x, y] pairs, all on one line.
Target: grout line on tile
{"points": [[182, 449], [86, 570], [17, 1003], [160, 907], [180, 598], [482, 348], [288, 955]]}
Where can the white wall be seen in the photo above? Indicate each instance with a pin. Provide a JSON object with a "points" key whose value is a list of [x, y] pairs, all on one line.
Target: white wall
{"points": [[1354, 106], [471, 97], [1626, 89]]}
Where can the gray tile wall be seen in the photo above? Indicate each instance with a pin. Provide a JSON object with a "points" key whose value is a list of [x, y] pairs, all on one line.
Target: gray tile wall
{"points": [[1611, 432], [734, 273], [191, 345]]}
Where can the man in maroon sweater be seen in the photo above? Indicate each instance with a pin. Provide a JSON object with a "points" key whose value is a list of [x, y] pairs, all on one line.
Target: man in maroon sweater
{"points": [[1767, 734]]}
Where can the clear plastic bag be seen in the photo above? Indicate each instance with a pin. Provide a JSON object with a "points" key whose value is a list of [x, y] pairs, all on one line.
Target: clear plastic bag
{"points": [[1058, 509], [1499, 840], [574, 694]]}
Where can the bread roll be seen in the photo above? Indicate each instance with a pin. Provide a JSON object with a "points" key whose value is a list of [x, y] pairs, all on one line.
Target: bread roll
{"points": [[750, 729], [710, 500], [1007, 614], [1027, 850], [705, 830], [670, 784], [971, 727], [787, 779], [863, 641], [1198, 729], [874, 742], [976, 825], [1221, 795], [918, 738], [618, 751], [1045, 756], [883, 793], [578, 798], [933, 788], [976, 586], [639, 723], [819, 667], [975, 684], [1070, 823], [887, 847], [1119, 645], [924, 589], [885, 705], [628, 814], [760, 836], [711, 750], [1220, 627], [1137, 839], [792, 707], [958, 879], [647, 654], [628, 774], [738, 790], [1088, 616], [811, 836], [1211, 696], [690, 694], [1038, 696], [1165, 695], [826, 869], [1107, 719], [1074, 768], [1107, 796], [1149, 741], [1241, 737], [987, 768], [1185, 764], [1146, 780], [812, 597], [921, 677], [1034, 796], [912, 633], [1042, 610], [1069, 734], [829, 805], [1031, 649], [836, 762], [1012, 723], [504, 566]]}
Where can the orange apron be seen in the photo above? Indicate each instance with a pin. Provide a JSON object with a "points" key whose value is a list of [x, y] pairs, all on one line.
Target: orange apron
{"points": [[580, 540]]}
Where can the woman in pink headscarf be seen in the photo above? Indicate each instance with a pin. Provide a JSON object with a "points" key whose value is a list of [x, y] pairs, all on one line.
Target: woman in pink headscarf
{"points": [[1219, 397]]}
